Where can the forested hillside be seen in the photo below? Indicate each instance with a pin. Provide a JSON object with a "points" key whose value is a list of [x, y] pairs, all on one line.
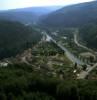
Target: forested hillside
{"points": [[27, 15], [15, 37], [72, 16], [20, 82], [44, 58], [89, 34]]}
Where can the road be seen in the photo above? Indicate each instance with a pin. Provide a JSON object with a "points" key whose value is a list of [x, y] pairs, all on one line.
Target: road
{"points": [[84, 74], [67, 52], [80, 45]]}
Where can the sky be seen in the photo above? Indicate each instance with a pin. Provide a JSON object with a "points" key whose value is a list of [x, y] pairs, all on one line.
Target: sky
{"points": [[13, 4]]}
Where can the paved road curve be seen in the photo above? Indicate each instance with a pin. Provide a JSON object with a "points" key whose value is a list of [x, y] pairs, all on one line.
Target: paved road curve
{"points": [[82, 46], [84, 74]]}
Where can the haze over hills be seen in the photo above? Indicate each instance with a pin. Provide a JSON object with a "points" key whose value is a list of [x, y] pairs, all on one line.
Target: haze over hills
{"points": [[49, 54], [27, 15], [72, 16], [54, 16]]}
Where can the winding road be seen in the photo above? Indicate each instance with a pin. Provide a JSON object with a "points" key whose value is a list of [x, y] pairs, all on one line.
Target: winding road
{"points": [[84, 74], [80, 45]]}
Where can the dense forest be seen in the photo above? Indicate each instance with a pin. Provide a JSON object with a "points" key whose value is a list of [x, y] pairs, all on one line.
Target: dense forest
{"points": [[20, 82], [15, 37], [72, 16], [89, 34]]}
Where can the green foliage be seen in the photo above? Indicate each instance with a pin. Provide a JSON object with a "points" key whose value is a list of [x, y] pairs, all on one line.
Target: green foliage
{"points": [[19, 82], [89, 34], [47, 49], [15, 37], [72, 16]]}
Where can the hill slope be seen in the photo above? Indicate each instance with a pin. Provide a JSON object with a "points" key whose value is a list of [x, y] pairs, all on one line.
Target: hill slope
{"points": [[15, 37], [72, 16], [27, 15], [89, 35]]}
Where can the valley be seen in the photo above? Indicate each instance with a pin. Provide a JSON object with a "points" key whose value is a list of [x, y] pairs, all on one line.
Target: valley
{"points": [[56, 54], [49, 52]]}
